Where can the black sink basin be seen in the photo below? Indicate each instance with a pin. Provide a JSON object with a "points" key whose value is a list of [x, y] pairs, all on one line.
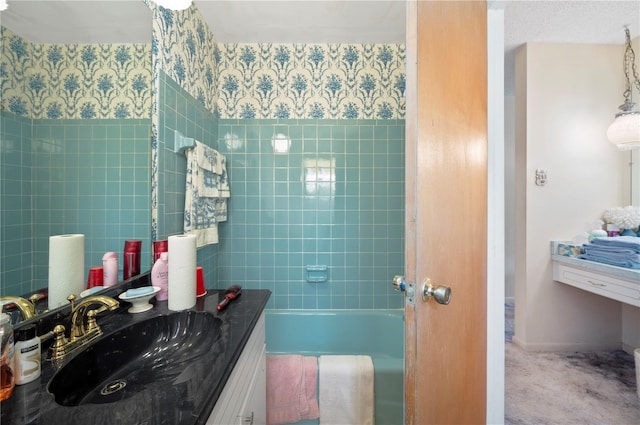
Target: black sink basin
{"points": [[161, 350]]}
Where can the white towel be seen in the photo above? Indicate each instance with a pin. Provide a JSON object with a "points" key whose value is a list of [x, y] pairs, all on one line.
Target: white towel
{"points": [[346, 390], [206, 193]]}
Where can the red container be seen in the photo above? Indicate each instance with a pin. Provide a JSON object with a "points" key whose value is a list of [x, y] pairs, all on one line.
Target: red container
{"points": [[96, 277], [158, 248], [131, 258]]}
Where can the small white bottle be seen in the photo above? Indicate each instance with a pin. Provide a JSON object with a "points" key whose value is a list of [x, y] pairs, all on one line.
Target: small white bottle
{"points": [[27, 349], [110, 267], [160, 276]]}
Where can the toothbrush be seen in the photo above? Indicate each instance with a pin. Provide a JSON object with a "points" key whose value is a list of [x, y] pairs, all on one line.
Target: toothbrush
{"points": [[231, 293]]}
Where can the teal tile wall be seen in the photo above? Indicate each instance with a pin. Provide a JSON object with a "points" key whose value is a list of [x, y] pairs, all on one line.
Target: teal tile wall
{"points": [[16, 256], [91, 177], [81, 176], [336, 199], [179, 111]]}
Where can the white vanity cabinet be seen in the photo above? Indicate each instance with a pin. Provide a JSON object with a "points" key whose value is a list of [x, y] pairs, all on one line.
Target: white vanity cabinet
{"points": [[620, 284], [243, 400]]}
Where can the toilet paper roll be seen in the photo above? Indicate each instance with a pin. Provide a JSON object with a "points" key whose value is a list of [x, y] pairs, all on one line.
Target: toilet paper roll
{"points": [[182, 272], [66, 268]]}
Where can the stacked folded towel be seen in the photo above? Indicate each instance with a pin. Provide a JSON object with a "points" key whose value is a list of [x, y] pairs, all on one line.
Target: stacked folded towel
{"points": [[621, 251]]}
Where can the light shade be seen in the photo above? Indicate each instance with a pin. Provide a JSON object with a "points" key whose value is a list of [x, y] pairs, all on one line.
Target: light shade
{"points": [[624, 132], [174, 4]]}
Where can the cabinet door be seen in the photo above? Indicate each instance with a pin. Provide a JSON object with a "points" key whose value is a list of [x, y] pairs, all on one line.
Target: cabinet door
{"points": [[233, 400], [254, 407]]}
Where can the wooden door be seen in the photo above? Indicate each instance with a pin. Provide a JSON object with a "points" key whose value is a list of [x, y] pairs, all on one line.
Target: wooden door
{"points": [[446, 220]]}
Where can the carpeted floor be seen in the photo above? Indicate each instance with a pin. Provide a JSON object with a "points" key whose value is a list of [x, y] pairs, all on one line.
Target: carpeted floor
{"points": [[595, 388]]}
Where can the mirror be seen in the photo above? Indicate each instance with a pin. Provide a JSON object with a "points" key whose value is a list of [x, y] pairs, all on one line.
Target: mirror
{"points": [[74, 133]]}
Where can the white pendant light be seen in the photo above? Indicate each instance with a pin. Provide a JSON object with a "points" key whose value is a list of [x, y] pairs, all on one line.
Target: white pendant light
{"points": [[624, 132], [174, 4]]}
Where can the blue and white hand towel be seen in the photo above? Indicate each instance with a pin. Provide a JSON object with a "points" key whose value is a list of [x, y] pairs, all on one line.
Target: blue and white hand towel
{"points": [[206, 193]]}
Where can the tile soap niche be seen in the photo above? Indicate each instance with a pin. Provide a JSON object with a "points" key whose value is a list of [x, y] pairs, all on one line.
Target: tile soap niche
{"points": [[316, 274]]}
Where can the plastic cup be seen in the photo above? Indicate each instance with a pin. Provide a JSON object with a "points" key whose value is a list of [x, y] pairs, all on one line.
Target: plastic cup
{"points": [[96, 277], [200, 289]]}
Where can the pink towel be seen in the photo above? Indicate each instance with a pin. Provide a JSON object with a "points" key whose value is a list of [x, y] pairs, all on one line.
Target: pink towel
{"points": [[291, 388]]}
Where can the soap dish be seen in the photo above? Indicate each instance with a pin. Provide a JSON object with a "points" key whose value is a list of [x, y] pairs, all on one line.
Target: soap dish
{"points": [[91, 291], [140, 302]]}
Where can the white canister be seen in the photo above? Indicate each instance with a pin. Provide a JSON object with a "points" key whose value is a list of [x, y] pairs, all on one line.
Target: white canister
{"points": [[110, 267]]}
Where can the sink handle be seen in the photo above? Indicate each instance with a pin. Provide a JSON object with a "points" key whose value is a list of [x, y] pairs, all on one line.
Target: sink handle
{"points": [[58, 350], [92, 325], [92, 329]]}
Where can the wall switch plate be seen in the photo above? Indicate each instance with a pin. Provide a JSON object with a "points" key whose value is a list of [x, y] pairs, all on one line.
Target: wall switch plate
{"points": [[541, 177]]}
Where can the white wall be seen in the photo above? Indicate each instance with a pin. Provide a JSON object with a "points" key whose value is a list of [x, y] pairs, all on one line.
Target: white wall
{"points": [[509, 195], [566, 96]]}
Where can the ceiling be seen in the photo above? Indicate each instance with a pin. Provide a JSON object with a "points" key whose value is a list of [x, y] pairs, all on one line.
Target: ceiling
{"points": [[564, 21], [307, 21]]}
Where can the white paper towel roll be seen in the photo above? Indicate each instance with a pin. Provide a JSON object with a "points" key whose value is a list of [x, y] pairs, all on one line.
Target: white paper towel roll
{"points": [[182, 272], [66, 268]]}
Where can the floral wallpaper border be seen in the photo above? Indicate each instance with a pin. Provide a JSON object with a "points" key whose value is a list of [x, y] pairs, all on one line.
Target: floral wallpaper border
{"points": [[317, 81], [85, 81], [279, 81], [237, 81]]}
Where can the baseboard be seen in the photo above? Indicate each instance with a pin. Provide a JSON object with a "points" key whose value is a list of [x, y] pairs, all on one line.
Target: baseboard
{"points": [[629, 348], [565, 346]]}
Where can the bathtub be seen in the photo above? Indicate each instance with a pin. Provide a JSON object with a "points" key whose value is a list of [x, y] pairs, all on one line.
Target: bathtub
{"points": [[377, 333]]}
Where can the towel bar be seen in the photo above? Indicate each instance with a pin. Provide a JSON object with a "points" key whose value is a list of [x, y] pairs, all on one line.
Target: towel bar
{"points": [[182, 143]]}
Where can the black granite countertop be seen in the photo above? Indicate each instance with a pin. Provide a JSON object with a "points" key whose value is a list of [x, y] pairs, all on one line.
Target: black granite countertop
{"points": [[189, 399]]}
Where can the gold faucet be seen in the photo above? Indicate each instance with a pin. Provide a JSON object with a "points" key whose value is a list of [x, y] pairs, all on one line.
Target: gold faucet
{"points": [[78, 312], [27, 307], [80, 334]]}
